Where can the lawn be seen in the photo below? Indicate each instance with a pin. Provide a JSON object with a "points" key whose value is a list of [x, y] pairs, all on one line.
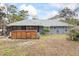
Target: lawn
{"points": [[47, 45]]}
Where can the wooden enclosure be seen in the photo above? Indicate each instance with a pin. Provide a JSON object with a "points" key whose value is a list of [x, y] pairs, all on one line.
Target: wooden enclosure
{"points": [[23, 34]]}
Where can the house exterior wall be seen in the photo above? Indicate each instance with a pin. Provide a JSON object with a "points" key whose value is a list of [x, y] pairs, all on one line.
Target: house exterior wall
{"points": [[59, 30], [56, 30], [52, 29], [14, 28]]}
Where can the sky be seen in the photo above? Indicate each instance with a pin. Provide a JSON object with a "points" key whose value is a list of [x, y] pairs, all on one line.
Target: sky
{"points": [[44, 10]]}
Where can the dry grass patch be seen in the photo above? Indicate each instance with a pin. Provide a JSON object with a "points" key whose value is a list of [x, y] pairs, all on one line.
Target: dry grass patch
{"points": [[46, 37], [48, 45]]}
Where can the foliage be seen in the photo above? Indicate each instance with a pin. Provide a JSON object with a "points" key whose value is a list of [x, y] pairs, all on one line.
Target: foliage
{"points": [[2, 14], [23, 14], [11, 9], [42, 33], [2, 21], [67, 13], [74, 35], [14, 18], [13, 15], [71, 21], [45, 30]]}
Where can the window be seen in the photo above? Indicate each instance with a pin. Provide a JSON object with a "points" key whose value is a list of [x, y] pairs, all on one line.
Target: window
{"points": [[14, 28], [27, 28], [54, 27], [23, 28], [31, 28], [66, 30], [57, 31], [18, 28]]}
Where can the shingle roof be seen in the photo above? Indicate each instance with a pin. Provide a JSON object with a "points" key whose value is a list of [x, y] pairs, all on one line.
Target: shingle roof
{"points": [[39, 23]]}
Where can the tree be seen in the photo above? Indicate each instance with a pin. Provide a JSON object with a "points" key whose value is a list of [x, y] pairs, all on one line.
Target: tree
{"points": [[13, 15], [23, 14], [74, 34], [69, 16], [11, 11], [2, 14], [67, 13], [2, 22]]}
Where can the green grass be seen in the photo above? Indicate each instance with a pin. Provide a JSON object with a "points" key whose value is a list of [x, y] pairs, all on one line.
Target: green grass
{"points": [[7, 51]]}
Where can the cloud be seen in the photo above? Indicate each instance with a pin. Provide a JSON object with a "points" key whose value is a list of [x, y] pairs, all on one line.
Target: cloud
{"points": [[31, 10], [57, 5], [60, 6], [2, 5], [72, 6], [22, 7], [51, 14]]}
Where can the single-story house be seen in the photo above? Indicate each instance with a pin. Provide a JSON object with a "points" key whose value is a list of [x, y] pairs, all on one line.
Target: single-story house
{"points": [[34, 28]]}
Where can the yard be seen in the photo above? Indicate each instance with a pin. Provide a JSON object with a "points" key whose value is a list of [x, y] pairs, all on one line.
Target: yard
{"points": [[48, 45]]}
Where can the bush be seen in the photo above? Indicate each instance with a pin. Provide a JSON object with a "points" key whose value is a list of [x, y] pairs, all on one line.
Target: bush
{"points": [[45, 30], [74, 35], [42, 33]]}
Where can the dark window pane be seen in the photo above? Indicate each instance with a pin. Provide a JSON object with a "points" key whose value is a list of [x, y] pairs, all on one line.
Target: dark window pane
{"points": [[14, 28], [23, 28]]}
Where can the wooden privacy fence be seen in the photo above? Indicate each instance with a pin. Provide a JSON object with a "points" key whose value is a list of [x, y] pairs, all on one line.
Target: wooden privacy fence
{"points": [[23, 34]]}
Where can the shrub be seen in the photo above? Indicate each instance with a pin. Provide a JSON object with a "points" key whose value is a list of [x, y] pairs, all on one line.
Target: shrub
{"points": [[74, 35], [42, 33], [45, 30]]}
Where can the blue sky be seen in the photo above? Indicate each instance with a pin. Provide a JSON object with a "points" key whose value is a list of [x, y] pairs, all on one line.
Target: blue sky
{"points": [[44, 10]]}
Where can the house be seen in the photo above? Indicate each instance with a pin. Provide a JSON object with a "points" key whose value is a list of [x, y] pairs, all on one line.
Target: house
{"points": [[32, 28]]}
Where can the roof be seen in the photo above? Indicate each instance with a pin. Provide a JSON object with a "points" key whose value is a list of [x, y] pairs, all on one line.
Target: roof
{"points": [[39, 23]]}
